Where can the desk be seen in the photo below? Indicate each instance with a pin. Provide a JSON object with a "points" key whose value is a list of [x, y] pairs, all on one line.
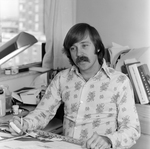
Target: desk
{"points": [[55, 126], [144, 117], [34, 144]]}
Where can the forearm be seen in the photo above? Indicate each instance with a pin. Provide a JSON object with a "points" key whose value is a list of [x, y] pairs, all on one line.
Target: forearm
{"points": [[37, 120], [45, 110], [124, 138], [41, 116]]}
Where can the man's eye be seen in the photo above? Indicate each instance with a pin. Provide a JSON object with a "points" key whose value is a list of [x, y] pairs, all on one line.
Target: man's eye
{"points": [[84, 45], [72, 48]]}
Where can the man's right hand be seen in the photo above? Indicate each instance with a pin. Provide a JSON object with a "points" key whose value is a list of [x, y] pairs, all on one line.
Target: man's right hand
{"points": [[21, 126]]}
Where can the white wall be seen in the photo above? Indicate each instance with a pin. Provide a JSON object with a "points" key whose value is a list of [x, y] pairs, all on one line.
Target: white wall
{"points": [[126, 22]]}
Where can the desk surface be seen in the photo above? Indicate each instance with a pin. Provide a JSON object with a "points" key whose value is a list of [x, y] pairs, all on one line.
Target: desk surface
{"points": [[31, 143]]}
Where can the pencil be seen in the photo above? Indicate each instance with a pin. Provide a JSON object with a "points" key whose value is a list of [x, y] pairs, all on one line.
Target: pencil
{"points": [[21, 122]]}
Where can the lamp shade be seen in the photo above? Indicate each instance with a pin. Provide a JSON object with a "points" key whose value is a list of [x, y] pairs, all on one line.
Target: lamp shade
{"points": [[15, 46]]}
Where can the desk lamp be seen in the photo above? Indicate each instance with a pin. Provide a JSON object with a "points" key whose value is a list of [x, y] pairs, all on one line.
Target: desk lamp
{"points": [[15, 46]]}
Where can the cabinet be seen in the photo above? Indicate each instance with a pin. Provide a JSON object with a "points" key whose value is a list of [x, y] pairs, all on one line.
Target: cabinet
{"points": [[144, 116]]}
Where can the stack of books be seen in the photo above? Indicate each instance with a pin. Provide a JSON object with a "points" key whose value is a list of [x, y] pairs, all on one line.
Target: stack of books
{"points": [[139, 75]]}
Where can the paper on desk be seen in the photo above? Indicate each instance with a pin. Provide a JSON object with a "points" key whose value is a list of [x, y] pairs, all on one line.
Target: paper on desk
{"points": [[4, 135], [15, 144]]}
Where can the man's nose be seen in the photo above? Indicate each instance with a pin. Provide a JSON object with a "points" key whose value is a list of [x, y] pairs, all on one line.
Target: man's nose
{"points": [[79, 51]]}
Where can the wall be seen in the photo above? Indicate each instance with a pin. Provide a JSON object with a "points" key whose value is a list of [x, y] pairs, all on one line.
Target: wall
{"points": [[126, 22]]}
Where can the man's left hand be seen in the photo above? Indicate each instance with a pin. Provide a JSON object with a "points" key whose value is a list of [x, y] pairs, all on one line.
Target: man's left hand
{"points": [[97, 142]]}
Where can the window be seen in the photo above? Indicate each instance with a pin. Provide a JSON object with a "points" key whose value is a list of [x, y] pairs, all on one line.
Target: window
{"points": [[22, 15], [36, 18]]}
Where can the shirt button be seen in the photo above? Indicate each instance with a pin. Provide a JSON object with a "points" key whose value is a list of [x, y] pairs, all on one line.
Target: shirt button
{"points": [[81, 101]]}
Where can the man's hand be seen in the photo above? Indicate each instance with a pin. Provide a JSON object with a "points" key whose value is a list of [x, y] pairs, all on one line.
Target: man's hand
{"points": [[97, 142], [20, 124]]}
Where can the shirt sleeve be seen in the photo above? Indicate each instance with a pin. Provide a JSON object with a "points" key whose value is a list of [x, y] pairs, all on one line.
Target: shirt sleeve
{"points": [[128, 125], [47, 107]]}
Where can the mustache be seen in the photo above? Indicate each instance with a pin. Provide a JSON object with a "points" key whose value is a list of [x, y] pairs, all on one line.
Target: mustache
{"points": [[82, 58]]}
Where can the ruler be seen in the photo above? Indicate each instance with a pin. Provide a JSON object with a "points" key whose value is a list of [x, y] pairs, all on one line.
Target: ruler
{"points": [[43, 135], [46, 136]]}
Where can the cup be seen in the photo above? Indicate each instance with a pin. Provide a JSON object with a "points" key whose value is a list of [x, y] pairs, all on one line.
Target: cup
{"points": [[15, 109]]}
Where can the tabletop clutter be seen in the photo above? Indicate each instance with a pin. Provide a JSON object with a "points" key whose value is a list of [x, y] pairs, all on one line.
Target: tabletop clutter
{"points": [[6, 103], [9, 104]]}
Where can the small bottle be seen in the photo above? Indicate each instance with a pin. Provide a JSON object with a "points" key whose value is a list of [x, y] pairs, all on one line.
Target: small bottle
{"points": [[2, 103], [8, 97]]}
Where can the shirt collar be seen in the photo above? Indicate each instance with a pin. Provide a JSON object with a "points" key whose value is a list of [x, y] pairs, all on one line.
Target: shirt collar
{"points": [[104, 67]]}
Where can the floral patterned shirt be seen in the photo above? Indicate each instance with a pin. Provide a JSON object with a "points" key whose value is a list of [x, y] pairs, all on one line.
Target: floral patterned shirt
{"points": [[103, 104]]}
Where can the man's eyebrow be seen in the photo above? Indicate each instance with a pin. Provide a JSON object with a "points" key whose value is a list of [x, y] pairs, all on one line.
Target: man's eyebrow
{"points": [[82, 42], [85, 41]]}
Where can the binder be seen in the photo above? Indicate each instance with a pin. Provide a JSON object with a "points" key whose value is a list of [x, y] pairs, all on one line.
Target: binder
{"points": [[145, 73]]}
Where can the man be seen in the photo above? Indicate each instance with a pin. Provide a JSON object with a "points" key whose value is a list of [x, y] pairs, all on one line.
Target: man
{"points": [[98, 101]]}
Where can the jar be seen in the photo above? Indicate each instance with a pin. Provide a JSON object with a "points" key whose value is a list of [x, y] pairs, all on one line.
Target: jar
{"points": [[2, 102], [7, 71]]}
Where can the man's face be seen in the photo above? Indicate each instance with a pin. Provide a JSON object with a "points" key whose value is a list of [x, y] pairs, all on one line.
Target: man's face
{"points": [[83, 54]]}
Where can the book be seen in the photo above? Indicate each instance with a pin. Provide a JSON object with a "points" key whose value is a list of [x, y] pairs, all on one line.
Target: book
{"points": [[128, 62], [138, 84], [145, 74]]}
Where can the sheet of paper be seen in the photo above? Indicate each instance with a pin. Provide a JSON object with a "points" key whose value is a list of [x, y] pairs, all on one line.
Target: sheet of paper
{"points": [[115, 51], [4, 131], [140, 54], [15, 144], [5, 135]]}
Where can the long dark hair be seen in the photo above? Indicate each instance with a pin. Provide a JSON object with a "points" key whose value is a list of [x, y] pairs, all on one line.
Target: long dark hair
{"points": [[77, 33]]}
